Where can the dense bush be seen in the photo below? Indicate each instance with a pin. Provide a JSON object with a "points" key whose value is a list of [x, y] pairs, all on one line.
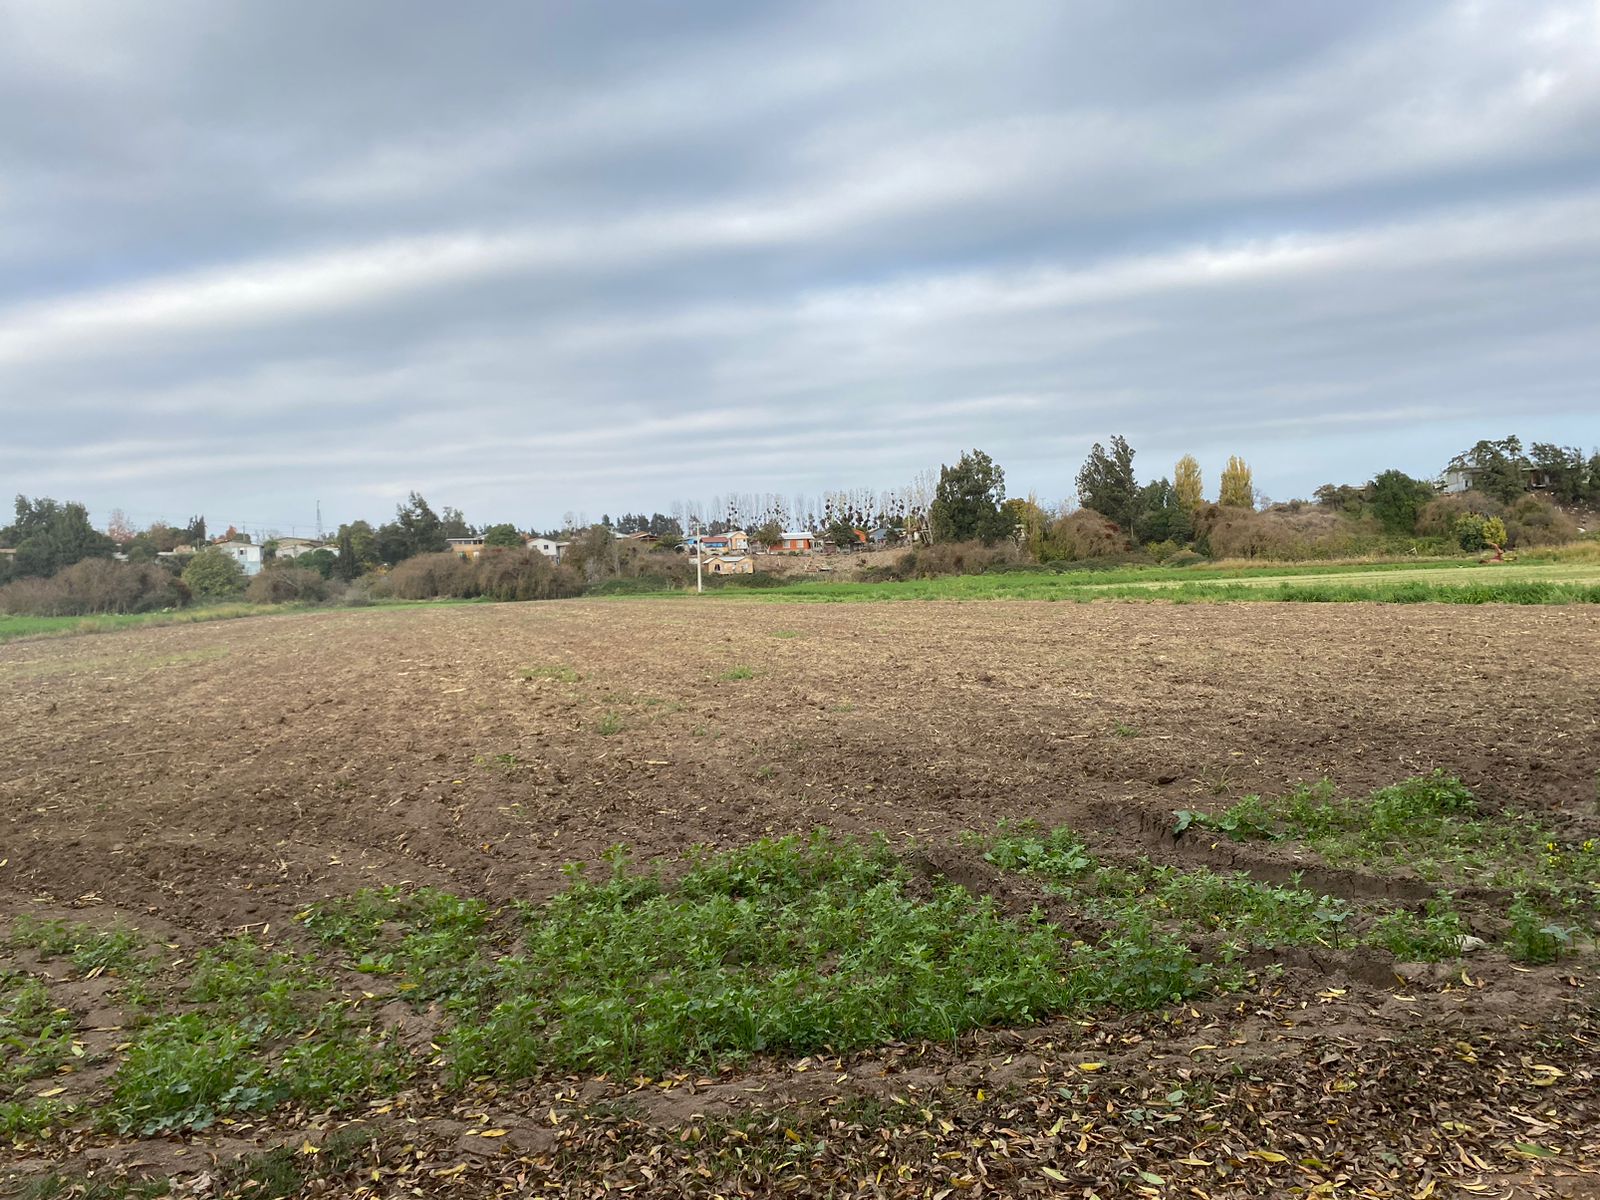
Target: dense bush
{"points": [[521, 575], [944, 558], [213, 575], [1081, 535], [96, 585], [1534, 521], [433, 576], [287, 585], [1297, 532], [1529, 520], [496, 575]]}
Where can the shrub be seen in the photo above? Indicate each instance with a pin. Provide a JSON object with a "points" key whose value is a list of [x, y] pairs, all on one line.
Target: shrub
{"points": [[213, 575], [431, 577], [945, 558], [1083, 534], [1534, 521], [96, 586], [496, 575], [521, 575], [287, 585]]}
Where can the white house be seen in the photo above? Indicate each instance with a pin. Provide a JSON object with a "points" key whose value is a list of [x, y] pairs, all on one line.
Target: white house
{"points": [[294, 547], [246, 554], [546, 546]]}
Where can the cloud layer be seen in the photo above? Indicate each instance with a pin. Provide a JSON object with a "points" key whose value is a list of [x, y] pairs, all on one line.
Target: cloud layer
{"points": [[531, 259]]}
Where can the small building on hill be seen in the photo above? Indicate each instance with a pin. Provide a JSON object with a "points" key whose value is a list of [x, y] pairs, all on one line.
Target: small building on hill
{"points": [[246, 554], [797, 540], [467, 547], [294, 547], [730, 564], [548, 547]]}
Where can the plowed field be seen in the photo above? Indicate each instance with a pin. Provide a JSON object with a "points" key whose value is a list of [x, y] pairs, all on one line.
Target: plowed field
{"points": [[194, 783]]}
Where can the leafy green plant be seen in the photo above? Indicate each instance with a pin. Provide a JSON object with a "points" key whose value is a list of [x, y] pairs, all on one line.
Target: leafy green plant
{"points": [[737, 672], [89, 948], [1533, 937], [35, 1034], [24, 1118], [1437, 933], [556, 671]]}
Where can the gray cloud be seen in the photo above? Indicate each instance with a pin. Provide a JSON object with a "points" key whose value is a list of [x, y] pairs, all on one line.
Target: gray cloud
{"points": [[538, 258]]}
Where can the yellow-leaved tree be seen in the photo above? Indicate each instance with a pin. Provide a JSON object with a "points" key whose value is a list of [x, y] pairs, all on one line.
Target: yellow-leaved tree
{"points": [[1188, 490], [1238, 488]]}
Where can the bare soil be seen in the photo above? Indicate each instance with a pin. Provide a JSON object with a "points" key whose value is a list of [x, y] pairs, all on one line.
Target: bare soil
{"points": [[197, 780]]}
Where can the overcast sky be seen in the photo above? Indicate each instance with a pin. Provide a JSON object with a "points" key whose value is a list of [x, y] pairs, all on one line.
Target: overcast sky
{"points": [[531, 258]]}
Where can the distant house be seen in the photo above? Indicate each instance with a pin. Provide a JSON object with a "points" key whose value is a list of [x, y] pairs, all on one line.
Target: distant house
{"points": [[795, 540], [716, 543], [294, 547], [546, 546], [881, 536], [644, 536], [1464, 479], [246, 554], [730, 564], [467, 547]]}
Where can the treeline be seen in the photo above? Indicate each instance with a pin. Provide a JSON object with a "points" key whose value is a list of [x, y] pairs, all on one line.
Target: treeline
{"points": [[960, 520], [1507, 501], [64, 567]]}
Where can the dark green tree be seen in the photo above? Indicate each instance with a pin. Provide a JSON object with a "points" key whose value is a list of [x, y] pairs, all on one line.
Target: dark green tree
{"points": [[1106, 483], [1395, 499], [365, 542], [504, 536], [1498, 468], [967, 503], [213, 575], [347, 566], [323, 561], [48, 536], [1159, 515], [416, 529], [1341, 497], [842, 535], [1565, 469]]}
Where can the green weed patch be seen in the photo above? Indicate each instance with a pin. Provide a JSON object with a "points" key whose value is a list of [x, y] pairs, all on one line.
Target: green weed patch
{"points": [[259, 1028], [89, 948], [787, 946], [36, 1036], [1241, 912], [1434, 828]]}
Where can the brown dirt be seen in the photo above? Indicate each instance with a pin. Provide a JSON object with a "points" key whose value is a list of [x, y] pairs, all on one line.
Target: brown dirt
{"points": [[226, 773], [199, 779]]}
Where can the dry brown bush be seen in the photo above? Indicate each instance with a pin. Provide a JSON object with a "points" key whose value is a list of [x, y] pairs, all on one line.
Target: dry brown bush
{"points": [[1530, 520], [522, 575], [433, 577], [1081, 535], [945, 558], [287, 585], [96, 585]]}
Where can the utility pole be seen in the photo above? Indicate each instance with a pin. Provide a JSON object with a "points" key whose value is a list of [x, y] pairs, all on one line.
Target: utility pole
{"points": [[319, 520], [699, 579]]}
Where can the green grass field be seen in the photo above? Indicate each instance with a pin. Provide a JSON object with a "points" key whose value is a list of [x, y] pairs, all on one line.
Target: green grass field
{"points": [[12, 628], [1463, 582]]}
